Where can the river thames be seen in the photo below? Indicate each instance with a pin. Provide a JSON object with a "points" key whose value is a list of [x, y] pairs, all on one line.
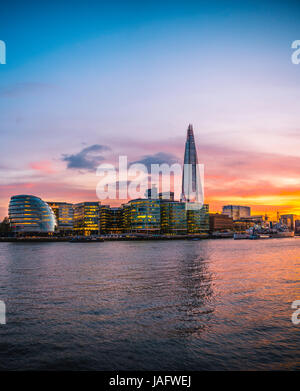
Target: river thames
{"points": [[153, 305]]}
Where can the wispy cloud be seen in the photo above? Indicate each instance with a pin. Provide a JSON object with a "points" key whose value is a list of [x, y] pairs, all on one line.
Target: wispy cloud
{"points": [[44, 166]]}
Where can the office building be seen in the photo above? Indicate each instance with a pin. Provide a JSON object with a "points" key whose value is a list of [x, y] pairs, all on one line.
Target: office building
{"points": [[152, 193], [142, 215], [110, 220], [30, 214], [166, 195], [173, 217], [86, 218], [198, 220], [64, 213], [220, 222], [236, 211], [191, 180]]}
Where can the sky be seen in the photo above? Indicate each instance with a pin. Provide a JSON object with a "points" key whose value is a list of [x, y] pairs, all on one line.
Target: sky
{"points": [[87, 81]]}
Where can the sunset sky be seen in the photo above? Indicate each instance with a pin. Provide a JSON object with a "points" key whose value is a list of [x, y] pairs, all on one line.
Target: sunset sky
{"points": [[87, 81]]}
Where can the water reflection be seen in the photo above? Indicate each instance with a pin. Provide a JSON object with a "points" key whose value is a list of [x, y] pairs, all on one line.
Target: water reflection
{"points": [[150, 305], [195, 293]]}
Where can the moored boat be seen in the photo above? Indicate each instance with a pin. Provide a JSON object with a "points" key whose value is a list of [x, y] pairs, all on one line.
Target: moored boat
{"points": [[239, 236], [84, 239], [283, 234]]}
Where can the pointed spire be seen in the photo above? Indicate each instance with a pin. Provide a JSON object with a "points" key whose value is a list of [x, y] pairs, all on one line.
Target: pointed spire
{"points": [[190, 131], [190, 180]]}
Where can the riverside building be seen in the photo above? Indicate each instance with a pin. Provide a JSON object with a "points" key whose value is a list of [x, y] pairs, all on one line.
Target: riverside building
{"points": [[86, 218], [64, 213], [236, 211], [30, 215], [173, 217], [220, 222], [110, 220], [198, 220], [142, 216]]}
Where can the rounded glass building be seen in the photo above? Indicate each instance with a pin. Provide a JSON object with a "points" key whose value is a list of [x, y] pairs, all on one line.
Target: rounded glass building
{"points": [[28, 213]]}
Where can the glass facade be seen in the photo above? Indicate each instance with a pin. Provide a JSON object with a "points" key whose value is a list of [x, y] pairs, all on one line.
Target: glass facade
{"points": [[64, 214], [173, 217], [191, 181], [86, 218], [198, 220], [28, 213], [143, 215], [236, 211], [111, 220]]}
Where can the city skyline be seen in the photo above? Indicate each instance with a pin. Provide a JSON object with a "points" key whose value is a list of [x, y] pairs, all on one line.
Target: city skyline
{"points": [[128, 79]]}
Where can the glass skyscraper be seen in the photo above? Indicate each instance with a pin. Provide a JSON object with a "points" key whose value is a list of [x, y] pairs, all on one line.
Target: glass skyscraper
{"points": [[191, 180]]}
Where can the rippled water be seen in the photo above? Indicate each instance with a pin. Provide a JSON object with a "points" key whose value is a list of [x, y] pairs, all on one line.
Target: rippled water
{"points": [[179, 305]]}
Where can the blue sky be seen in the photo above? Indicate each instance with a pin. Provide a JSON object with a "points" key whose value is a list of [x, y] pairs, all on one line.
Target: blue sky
{"points": [[131, 75]]}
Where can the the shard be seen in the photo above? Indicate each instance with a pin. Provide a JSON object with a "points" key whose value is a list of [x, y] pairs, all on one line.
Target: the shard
{"points": [[192, 191]]}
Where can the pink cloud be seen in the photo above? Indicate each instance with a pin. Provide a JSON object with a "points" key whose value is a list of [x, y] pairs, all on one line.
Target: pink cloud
{"points": [[45, 166]]}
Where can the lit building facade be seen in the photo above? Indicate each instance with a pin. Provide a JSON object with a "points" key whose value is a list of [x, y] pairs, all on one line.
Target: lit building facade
{"points": [[236, 211], [142, 215], [86, 218], [30, 214], [173, 217], [110, 220], [64, 213], [198, 220]]}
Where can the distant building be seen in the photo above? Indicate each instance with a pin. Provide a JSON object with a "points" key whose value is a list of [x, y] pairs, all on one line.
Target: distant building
{"points": [[152, 193], [86, 218], [64, 213], [30, 214], [236, 211], [288, 220], [142, 215], [297, 226], [244, 223], [191, 181], [173, 217], [198, 220], [110, 220], [167, 195], [258, 219], [220, 222]]}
